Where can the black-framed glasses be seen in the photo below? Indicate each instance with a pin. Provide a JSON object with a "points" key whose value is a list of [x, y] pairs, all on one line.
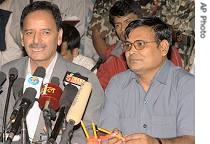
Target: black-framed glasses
{"points": [[138, 44]]}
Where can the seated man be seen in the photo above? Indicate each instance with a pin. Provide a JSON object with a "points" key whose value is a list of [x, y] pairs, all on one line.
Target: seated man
{"points": [[154, 100], [70, 47]]}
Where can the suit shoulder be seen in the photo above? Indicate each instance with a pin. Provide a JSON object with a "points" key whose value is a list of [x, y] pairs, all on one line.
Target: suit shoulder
{"points": [[14, 63]]}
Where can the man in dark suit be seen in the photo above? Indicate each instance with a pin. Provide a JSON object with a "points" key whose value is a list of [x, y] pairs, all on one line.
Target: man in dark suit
{"points": [[41, 33]]}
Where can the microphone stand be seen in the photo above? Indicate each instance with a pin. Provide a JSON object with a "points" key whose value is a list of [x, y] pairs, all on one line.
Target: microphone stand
{"points": [[67, 134], [24, 130], [11, 81], [57, 126], [16, 126], [49, 114], [47, 120]]}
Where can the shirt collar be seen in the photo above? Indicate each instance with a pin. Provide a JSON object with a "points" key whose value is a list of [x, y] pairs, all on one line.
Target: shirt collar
{"points": [[160, 76]]}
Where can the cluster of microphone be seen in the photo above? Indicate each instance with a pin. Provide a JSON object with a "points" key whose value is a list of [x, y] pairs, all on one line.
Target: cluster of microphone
{"points": [[69, 103]]}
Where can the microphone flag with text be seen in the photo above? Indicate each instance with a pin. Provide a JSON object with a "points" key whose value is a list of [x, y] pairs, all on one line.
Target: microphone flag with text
{"points": [[50, 95], [74, 78], [76, 110], [35, 80]]}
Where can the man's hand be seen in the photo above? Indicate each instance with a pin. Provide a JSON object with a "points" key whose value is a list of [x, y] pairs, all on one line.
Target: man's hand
{"points": [[140, 138]]}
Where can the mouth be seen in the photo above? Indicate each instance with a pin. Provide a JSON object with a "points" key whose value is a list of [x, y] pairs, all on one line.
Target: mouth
{"points": [[37, 49], [134, 60]]}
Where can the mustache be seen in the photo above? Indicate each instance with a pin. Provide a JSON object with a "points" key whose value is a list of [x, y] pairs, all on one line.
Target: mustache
{"points": [[37, 45]]}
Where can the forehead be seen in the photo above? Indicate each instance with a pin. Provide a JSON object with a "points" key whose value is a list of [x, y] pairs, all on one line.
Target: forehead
{"points": [[142, 33], [130, 17], [39, 16]]}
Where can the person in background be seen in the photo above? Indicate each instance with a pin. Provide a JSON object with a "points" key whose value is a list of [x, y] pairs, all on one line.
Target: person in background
{"points": [[120, 15], [153, 102], [41, 33], [9, 49], [182, 50], [70, 47]]}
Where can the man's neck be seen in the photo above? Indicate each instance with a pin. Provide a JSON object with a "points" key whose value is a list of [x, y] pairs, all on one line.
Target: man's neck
{"points": [[35, 64], [145, 79]]}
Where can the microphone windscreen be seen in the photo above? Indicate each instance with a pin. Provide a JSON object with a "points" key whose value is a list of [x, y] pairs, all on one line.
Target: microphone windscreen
{"points": [[18, 87], [2, 78], [39, 72], [13, 72], [78, 106], [29, 94], [68, 95], [55, 80]]}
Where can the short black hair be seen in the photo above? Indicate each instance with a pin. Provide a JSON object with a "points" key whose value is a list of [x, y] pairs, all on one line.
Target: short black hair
{"points": [[162, 30], [123, 8], [42, 5], [71, 36]]}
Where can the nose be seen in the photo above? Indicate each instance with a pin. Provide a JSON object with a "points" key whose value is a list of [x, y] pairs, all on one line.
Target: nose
{"points": [[37, 37]]}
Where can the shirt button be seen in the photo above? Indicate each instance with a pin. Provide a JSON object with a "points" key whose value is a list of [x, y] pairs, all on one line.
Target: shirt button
{"points": [[144, 125]]}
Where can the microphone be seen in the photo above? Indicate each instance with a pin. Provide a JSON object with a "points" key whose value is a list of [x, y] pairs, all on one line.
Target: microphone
{"points": [[50, 95], [26, 103], [49, 101], [76, 110], [35, 80], [18, 88], [13, 73], [66, 100], [98, 63], [17, 93], [39, 72], [79, 104]]}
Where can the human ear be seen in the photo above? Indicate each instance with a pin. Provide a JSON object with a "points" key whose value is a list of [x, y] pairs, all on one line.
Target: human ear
{"points": [[21, 36], [60, 36], [164, 47]]}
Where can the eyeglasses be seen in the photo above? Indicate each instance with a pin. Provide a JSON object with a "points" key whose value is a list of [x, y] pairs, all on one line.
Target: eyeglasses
{"points": [[138, 44]]}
